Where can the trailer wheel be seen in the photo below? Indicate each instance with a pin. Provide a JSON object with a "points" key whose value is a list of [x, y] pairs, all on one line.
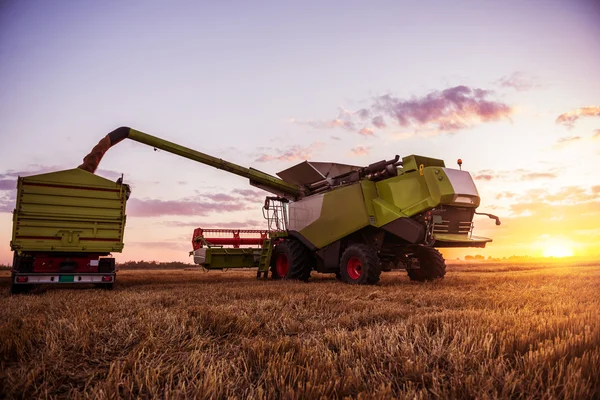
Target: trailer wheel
{"points": [[360, 265], [431, 265], [291, 260], [19, 289]]}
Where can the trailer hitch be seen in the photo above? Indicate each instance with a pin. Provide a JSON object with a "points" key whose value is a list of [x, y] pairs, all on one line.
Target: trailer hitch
{"points": [[491, 216]]}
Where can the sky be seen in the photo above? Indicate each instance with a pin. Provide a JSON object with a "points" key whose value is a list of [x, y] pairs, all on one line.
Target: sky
{"points": [[512, 88]]}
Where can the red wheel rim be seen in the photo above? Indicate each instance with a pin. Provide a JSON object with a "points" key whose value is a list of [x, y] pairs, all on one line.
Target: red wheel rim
{"points": [[354, 268], [282, 265]]}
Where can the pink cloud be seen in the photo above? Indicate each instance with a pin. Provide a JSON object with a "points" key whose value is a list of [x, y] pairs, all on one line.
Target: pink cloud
{"points": [[596, 134], [519, 81], [569, 118], [156, 208], [248, 224], [459, 107], [293, 153], [8, 184], [484, 177], [359, 151], [366, 132], [251, 195], [455, 108], [220, 197]]}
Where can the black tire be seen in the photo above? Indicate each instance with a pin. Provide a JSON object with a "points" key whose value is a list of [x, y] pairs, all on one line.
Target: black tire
{"points": [[431, 265], [291, 260], [105, 286], [360, 265], [20, 289]]}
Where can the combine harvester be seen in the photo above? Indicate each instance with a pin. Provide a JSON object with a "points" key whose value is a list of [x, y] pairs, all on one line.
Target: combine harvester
{"points": [[347, 220]]}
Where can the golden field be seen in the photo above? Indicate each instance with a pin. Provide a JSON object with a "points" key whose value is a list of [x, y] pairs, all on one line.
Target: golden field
{"points": [[485, 331]]}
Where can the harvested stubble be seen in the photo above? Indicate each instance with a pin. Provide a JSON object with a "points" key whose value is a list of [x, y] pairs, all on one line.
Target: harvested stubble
{"points": [[527, 331]]}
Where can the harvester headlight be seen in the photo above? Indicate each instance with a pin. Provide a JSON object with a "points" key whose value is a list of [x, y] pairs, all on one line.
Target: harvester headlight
{"points": [[463, 199]]}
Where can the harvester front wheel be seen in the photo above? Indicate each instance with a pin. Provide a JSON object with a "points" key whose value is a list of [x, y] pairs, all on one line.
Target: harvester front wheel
{"points": [[291, 260], [360, 265], [431, 265]]}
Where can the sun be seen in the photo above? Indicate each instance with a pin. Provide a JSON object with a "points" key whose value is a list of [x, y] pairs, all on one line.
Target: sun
{"points": [[558, 252], [557, 248]]}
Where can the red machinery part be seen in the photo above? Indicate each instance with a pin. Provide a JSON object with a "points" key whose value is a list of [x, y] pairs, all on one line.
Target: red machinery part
{"points": [[50, 263], [229, 237]]}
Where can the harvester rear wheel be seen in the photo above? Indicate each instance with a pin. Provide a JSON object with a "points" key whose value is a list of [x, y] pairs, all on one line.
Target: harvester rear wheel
{"points": [[431, 265], [360, 265], [291, 260]]}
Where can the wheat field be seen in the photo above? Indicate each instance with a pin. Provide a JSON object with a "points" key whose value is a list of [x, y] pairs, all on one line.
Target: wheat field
{"points": [[485, 331]]}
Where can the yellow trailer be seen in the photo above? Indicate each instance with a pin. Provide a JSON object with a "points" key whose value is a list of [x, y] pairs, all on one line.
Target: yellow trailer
{"points": [[65, 225]]}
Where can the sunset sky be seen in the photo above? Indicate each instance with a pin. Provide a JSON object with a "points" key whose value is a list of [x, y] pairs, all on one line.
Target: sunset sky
{"points": [[510, 87]]}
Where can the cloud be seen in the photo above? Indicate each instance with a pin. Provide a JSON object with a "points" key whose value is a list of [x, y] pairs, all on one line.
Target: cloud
{"points": [[220, 197], [517, 174], [596, 134], [459, 107], [248, 224], [565, 141], [343, 120], [156, 208], [569, 118], [571, 194], [378, 122], [8, 201], [366, 132], [359, 151], [8, 184], [455, 108], [519, 81], [538, 175], [292, 153], [508, 195], [238, 200], [251, 195], [363, 113], [33, 169], [568, 139]]}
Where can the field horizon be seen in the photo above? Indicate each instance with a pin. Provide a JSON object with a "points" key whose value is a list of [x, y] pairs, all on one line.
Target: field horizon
{"points": [[515, 330]]}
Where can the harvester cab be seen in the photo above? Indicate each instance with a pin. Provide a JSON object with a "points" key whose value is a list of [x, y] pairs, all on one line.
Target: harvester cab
{"points": [[348, 220]]}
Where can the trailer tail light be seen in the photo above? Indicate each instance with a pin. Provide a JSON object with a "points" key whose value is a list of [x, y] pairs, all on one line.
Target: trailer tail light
{"points": [[22, 279], [107, 278]]}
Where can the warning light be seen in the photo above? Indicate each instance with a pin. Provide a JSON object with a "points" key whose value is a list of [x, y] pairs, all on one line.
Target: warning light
{"points": [[459, 162]]}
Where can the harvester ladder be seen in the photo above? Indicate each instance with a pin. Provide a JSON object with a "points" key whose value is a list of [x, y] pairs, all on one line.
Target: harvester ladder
{"points": [[265, 259]]}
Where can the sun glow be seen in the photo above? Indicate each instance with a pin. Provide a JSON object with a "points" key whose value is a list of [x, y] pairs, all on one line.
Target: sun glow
{"points": [[558, 248]]}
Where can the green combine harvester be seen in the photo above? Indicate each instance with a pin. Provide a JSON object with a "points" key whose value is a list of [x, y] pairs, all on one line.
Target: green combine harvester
{"points": [[351, 221]]}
